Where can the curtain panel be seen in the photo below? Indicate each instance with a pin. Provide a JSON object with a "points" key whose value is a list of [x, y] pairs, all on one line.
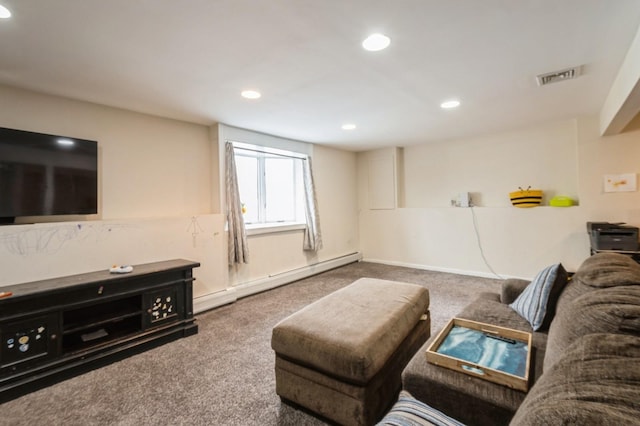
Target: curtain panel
{"points": [[238, 247], [312, 234]]}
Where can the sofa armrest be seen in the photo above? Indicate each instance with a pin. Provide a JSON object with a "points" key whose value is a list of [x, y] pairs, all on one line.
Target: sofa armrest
{"points": [[487, 295], [511, 289]]}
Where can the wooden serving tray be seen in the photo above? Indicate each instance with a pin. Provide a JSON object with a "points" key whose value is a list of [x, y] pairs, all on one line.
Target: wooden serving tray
{"points": [[497, 354]]}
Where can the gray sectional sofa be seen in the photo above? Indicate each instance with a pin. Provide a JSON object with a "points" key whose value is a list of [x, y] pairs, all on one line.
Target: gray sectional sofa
{"points": [[586, 364]]}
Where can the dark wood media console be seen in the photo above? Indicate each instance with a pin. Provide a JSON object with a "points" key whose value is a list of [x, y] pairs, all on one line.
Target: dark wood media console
{"points": [[57, 328]]}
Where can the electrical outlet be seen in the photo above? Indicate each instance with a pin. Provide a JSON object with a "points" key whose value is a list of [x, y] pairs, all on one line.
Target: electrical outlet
{"points": [[461, 200]]}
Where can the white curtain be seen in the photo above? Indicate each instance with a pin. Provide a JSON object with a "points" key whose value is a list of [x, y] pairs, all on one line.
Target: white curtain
{"points": [[312, 235], [237, 241]]}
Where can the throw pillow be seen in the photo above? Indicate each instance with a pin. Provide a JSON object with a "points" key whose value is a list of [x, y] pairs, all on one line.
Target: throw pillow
{"points": [[537, 302], [408, 411]]}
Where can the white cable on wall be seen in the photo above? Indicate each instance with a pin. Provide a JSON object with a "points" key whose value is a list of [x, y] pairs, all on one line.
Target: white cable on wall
{"points": [[475, 228]]}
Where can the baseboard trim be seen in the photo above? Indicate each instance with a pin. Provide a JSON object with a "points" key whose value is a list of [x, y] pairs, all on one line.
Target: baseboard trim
{"points": [[440, 269], [232, 294], [214, 300], [273, 281]]}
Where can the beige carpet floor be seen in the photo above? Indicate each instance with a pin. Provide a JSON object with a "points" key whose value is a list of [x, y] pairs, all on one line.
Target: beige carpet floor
{"points": [[224, 374]]}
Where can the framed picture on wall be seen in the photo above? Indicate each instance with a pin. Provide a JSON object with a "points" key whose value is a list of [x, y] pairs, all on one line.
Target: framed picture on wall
{"points": [[625, 182]]}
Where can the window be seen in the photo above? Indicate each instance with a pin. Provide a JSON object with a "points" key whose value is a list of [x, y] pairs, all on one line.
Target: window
{"points": [[271, 186]]}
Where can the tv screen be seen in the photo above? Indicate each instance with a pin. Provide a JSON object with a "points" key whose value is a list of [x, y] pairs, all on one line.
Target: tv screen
{"points": [[44, 175]]}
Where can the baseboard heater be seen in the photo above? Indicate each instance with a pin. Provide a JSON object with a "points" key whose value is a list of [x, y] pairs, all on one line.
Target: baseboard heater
{"points": [[239, 291]]}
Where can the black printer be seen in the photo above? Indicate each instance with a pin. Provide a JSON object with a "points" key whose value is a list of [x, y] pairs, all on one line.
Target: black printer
{"points": [[612, 236]]}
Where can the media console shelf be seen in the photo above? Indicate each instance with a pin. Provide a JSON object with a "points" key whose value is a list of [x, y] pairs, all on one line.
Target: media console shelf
{"points": [[57, 328]]}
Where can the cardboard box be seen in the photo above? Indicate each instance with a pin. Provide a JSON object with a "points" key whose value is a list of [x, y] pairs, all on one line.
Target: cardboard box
{"points": [[497, 354]]}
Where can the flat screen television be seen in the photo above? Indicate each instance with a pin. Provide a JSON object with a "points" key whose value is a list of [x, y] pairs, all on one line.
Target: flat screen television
{"points": [[46, 175]]}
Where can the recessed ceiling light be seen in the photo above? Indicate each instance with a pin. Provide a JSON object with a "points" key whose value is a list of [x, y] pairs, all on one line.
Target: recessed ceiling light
{"points": [[250, 94], [348, 126], [376, 42], [4, 12], [450, 104]]}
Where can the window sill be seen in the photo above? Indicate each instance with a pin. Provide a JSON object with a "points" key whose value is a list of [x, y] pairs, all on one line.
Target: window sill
{"points": [[272, 228]]}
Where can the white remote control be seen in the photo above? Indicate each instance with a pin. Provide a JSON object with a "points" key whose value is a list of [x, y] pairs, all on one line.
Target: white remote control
{"points": [[121, 269]]}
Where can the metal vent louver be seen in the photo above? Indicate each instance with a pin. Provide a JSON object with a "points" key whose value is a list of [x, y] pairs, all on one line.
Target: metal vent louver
{"points": [[556, 76]]}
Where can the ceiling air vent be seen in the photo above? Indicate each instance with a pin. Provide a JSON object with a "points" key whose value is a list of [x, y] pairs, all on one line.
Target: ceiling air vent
{"points": [[556, 76]]}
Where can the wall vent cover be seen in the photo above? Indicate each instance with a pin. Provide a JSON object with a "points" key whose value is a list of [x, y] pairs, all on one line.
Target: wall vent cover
{"points": [[557, 76]]}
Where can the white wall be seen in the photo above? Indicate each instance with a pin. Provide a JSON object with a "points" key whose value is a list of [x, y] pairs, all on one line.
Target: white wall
{"points": [[155, 176], [335, 180], [150, 168], [490, 167], [154, 169], [567, 158], [336, 185], [598, 156], [49, 250], [623, 101]]}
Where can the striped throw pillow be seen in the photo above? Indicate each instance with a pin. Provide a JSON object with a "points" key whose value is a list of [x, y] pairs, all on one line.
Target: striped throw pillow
{"points": [[539, 297], [408, 411]]}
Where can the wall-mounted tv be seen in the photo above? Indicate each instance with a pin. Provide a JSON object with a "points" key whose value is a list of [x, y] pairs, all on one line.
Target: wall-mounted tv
{"points": [[45, 175]]}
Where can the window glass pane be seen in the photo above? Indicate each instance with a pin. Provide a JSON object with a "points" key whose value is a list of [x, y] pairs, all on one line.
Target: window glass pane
{"points": [[280, 189], [247, 168], [271, 186]]}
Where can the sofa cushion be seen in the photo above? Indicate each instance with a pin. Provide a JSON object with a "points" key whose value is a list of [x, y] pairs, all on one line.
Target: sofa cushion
{"points": [[490, 310], [538, 300], [599, 271], [483, 402], [596, 378], [607, 310], [608, 270], [408, 411]]}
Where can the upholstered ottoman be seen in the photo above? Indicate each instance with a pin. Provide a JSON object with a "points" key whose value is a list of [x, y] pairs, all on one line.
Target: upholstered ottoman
{"points": [[342, 356]]}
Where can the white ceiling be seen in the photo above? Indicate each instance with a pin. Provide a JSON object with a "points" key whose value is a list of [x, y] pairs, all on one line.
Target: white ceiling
{"points": [[190, 59]]}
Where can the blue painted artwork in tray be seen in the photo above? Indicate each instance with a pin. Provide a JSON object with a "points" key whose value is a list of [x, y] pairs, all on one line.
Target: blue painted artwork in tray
{"points": [[484, 349]]}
